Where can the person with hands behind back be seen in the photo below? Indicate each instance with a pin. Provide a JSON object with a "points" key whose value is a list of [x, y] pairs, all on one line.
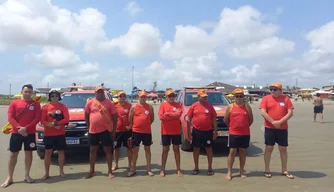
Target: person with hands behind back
{"points": [[54, 117], [169, 114], [23, 115], [202, 117], [123, 129], [276, 110], [239, 117], [101, 119]]}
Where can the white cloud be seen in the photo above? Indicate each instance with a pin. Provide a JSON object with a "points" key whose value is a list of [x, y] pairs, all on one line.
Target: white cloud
{"points": [[241, 33], [54, 57], [142, 39], [133, 8]]}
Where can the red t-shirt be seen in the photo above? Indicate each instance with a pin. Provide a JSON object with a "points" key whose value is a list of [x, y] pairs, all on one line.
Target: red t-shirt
{"points": [[202, 116], [239, 120], [27, 118], [142, 119], [276, 108], [169, 114], [100, 115], [57, 108], [123, 116]]}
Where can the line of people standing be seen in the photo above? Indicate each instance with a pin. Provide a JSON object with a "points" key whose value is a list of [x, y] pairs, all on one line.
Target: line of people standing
{"points": [[129, 125]]}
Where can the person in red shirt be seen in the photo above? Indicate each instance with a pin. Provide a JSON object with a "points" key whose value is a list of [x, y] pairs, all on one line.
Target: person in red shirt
{"points": [[141, 117], [23, 115], [101, 119], [123, 129], [54, 117], [169, 114], [276, 110], [202, 118], [239, 118]]}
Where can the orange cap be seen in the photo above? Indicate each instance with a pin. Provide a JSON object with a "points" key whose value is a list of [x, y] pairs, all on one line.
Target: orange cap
{"points": [[202, 93], [99, 88], [142, 93], [277, 85], [121, 93], [169, 91], [238, 91]]}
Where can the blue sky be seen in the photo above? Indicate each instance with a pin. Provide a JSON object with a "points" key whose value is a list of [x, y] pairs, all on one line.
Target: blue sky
{"points": [[294, 19]]}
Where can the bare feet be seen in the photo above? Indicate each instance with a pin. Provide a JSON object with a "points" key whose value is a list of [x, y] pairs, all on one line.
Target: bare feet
{"points": [[7, 183], [45, 177], [111, 175], [179, 173], [115, 167], [90, 175], [162, 174], [62, 174], [228, 177]]}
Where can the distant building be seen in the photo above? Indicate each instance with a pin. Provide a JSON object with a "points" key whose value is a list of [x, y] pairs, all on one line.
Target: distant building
{"points": [[223, 87], [328, 88]]}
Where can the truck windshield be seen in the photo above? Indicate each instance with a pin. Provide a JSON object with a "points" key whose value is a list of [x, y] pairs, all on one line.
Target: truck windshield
{"points": [[77, 100], [214, 98]]}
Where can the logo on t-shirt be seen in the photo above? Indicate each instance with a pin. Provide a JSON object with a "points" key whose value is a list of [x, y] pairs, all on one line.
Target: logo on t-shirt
{"points": [[282, 104], [126, 110], [31, 108], [147, 112], [208, 142], [32, 145], [58, 112], [174, 109], [206, 111]]}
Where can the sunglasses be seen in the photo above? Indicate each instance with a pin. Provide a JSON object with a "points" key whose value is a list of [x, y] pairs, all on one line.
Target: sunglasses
{"points": [[273, 89], [171, 96], [121, 96], [239, 96]]}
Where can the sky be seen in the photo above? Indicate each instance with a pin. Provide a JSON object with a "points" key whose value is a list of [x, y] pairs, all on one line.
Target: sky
{"points": [[176, 43]]}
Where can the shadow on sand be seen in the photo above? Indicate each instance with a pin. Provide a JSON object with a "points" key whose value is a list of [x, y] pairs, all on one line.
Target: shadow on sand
{"points": [[297, 174]]}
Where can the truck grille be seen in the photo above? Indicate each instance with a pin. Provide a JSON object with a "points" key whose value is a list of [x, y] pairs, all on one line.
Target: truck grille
{"points": [[76, 125], [220, 122]]}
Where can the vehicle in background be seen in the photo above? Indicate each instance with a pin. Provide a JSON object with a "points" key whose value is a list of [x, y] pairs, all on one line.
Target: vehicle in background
{"points": [[76, 131], [187, 97]]}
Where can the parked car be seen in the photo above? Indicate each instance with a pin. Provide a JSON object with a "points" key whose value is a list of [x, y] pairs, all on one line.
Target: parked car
{"points": [[76, 131], [187, 97]]}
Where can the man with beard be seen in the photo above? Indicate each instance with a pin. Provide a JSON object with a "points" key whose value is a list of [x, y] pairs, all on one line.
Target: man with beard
{"points": [[101, 119], [54, 117], [23, 115]]}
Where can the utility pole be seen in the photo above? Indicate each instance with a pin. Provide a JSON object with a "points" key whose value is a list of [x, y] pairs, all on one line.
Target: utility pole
{"points": [[296, 82], [132, 84], [47, 84], [10, 90]]}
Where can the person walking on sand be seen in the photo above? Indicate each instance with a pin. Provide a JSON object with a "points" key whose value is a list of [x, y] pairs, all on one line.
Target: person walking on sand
{"points": [[239, 117], [318, 108], [169, 114], [202, 118], [276, 110], [123, 129], [141, 117], [101, 119], [54, 117], [23, 115]]}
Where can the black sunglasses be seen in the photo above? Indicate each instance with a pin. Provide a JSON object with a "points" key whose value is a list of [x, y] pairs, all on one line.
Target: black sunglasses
{"points": [[239, 96], [121, 96], [171, 96], [273, 89]]}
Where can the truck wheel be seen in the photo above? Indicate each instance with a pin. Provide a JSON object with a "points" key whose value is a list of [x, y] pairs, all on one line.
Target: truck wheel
{"points": [[185, 146], [41, 153]]}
